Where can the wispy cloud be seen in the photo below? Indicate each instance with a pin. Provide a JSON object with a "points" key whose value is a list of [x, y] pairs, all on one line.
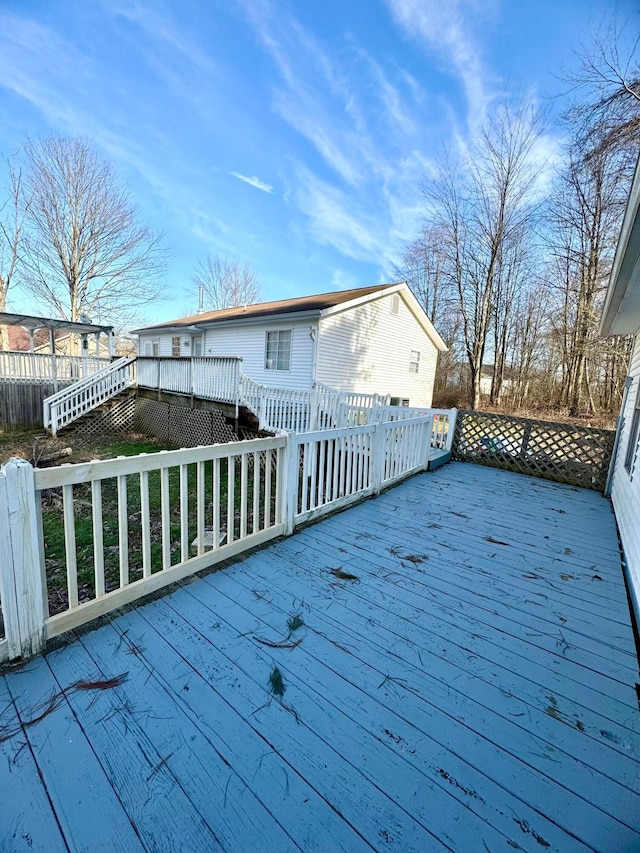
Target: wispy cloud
{"points": [[365, 118], [162, 27], [444, 29], [253, 182]]}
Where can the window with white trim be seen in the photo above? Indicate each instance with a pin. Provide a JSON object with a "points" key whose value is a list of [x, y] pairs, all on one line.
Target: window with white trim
{"points": [[634, 434], [414, 361], [278, 350], [175, 347]]}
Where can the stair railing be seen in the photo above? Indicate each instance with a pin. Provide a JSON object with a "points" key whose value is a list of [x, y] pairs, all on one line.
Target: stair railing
{"points": [[71, 403]]}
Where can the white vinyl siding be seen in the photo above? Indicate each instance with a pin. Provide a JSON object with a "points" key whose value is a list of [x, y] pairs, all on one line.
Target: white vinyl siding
{"points": [[369, 349], [249, 342], [625, 493], [631, 456], [161, 344]]}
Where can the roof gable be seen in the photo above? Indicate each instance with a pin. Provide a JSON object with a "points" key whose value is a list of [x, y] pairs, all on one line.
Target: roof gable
{"points": [[410, 301]]}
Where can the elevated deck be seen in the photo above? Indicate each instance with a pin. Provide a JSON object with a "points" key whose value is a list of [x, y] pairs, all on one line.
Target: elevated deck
{"points": [[465, 679]]}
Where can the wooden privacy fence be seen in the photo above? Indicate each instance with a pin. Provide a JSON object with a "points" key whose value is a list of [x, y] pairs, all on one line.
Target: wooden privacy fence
{"points": [[78, 541], [555, 451]]}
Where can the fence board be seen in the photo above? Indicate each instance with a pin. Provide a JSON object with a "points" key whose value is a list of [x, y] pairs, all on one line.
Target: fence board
{"points": [[21, 404], [565, 453]]}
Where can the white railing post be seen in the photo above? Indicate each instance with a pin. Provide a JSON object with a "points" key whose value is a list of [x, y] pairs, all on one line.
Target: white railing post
{"points": [[22, 580], [453, 414], [427, 443], [314, 411], [377, 457], [289, 482]]}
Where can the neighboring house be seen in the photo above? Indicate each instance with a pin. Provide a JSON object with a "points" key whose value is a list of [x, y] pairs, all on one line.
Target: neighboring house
{"points": [[19, 339], [621, 316], [374, 340], [486, 382], [66, 344]]}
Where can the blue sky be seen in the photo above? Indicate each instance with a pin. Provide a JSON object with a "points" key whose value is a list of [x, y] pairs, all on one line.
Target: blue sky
{"points": [[292, 135]]}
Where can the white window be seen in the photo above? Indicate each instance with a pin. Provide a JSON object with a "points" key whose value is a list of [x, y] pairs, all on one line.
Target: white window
{"points": [[414, 361], [156, 349], [148, 348], [395, 304], [197, 346], [278, 350], [632, 446], [175, 347]]}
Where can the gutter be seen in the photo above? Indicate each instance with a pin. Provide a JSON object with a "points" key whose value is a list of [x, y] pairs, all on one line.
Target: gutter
{"points": [[261, 319]]}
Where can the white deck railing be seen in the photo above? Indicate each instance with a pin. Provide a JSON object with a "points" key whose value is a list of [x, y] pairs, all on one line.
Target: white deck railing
{"points": [[81, 397], [220, 378], [44, 367], [209, 504], [209, 377]]}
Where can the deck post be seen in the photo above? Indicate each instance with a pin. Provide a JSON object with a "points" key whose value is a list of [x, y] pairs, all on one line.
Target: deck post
{"points": [[22, 580], [453, 416], [289, 483], [313, 423], [428, 440], [377, 457], [84, 348], [54, 366]]}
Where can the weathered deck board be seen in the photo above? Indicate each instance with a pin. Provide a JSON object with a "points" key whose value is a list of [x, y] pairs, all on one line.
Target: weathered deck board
{"points": [[27, 822], [460, 694], [482, 708], [76, 782], [363, 726]]}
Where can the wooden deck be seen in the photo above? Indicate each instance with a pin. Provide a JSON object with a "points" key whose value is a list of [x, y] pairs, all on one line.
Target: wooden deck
{"points": [[471, 688]]}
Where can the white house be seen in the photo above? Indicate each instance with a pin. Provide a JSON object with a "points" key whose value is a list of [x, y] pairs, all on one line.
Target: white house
{"points": [[371, 340], [621, 316]]}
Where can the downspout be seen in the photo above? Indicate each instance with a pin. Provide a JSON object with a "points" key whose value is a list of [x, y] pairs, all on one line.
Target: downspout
{"points": [[616, 442], [314, 334]]}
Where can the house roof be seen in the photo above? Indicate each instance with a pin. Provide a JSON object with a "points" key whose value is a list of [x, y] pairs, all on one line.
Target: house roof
{"points": [[55, 323], [304, 306], [19, 338], [315, 303], [621, 312]]}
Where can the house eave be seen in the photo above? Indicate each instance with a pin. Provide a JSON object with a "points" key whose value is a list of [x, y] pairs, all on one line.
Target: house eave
{"points": [[621, 312], [261, 320]]}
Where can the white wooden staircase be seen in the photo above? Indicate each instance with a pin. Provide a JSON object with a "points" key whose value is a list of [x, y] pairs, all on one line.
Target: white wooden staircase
{"points": [[76, 400]]}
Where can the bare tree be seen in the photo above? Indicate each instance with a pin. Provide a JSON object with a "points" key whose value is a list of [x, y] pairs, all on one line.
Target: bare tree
{"points": [[608, 80], [11, 226], [423, 267], [226, 283], [484, 206], [86, 252]]}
